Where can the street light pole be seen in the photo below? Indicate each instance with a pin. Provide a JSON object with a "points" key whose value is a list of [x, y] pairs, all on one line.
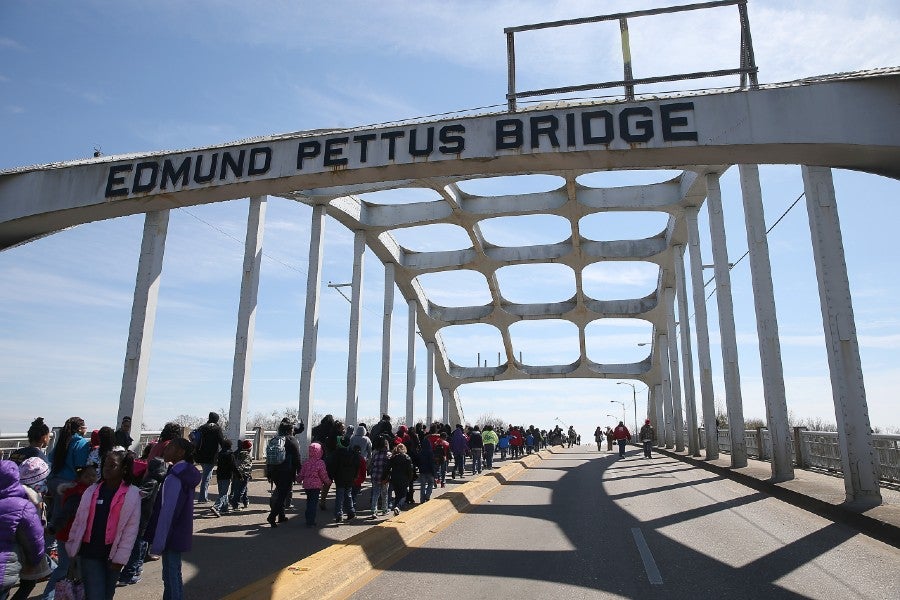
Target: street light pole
{"points": [[634, 399]]}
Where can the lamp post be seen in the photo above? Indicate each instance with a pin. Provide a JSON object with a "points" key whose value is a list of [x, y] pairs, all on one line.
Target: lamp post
{"points": [[634, 432], [623, 408]]}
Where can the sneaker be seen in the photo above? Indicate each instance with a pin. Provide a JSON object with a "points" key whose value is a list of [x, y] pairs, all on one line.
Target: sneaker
{"points": [[152, 558], [338, 519], [215, 511], [246, 504], [443, 484], [396, 510]]}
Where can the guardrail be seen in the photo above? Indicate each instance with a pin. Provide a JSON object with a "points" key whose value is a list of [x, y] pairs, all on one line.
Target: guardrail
{"points": [[817, 450], [9, 442]]}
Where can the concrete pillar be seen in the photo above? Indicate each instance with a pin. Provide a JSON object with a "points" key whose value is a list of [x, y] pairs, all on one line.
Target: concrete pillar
{"points": [[246, 322], [847, 386], [766, 324], [351, 415], [386, 337], [143, 319], [429, 386], [707, 396], [411, 365], [687, 359], [311, 321], [666, 381], [730, 367], [445, 405], [674, 374], [660, 415]]}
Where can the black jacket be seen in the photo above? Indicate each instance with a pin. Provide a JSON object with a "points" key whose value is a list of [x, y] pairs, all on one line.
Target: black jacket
{"points": [[211, 440], [344, 467]]}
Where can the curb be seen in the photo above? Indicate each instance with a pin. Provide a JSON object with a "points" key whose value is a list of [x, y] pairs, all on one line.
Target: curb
{"points": [[331, 573], [841, 513]]}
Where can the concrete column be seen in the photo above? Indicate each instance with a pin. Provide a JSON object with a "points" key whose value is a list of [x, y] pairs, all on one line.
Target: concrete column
{"points": [[386, 337], [687, 358], [445, 405], [351, 415], [766, 324], [246, 322], [660, 415], [311, 321], [847, 386], [411, 365], [730, 367], [666, 381], [429, 387], [143, 319], [707, 396], [674, 374]]}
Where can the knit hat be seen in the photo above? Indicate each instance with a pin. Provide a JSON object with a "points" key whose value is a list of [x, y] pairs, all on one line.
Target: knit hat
{"points": [[246, 444], [33, 472]]}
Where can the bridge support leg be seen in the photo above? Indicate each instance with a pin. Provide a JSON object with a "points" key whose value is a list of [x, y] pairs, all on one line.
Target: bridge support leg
{"points": [[246, 322], [311, 321], [429, 386], [700, 320], [766, 324], [386, 338], [351, 415], [666, 381], [411, 365], [847, 386], [449, 417], [674, 373], [143, 319], [730, 367], [660, 415], [687, 359]]}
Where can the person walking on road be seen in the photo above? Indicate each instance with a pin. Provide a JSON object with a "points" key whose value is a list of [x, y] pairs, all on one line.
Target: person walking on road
{"points": [[622, 435], [210, 439], [647, 435], [598, 437]]}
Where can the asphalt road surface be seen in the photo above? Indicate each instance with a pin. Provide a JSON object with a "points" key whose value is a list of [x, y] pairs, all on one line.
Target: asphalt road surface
{"points": [[587, 524]]}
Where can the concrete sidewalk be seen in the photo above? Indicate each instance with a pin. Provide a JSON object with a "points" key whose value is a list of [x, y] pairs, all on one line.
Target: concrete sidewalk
{"points": [[817, 492]]}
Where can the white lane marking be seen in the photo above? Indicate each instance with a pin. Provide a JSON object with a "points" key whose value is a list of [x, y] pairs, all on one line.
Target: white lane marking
{"points": [[649, 564]]}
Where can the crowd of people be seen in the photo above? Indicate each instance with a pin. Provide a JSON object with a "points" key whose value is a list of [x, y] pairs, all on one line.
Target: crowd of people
{"points": [[88, 509]]}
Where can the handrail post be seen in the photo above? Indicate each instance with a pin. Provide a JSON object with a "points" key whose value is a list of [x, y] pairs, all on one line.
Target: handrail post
{"points": [[511, 71], [626, 58]]}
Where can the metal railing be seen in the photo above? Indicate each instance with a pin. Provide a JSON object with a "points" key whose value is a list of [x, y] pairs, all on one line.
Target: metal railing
{"points": [[818, 450], [747, 59]]}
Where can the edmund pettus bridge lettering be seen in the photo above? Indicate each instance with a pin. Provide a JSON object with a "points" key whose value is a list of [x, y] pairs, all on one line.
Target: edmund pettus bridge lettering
{"points": [[572, 130]]}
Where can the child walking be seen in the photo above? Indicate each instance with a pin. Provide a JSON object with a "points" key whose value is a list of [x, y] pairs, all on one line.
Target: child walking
{"points": [[240, 476], [313, 477]]}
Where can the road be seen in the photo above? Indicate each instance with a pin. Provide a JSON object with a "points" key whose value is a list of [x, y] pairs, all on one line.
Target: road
{"points": [[585, 524]]}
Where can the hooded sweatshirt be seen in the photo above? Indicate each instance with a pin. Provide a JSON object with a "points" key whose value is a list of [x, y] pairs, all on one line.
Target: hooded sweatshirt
{"points": [[19, 524], [360, 439], [313, 474], [121, 525], [172, 525]]}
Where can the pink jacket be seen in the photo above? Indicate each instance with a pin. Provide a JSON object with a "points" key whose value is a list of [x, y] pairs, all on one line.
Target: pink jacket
{"points": [[313, 474], [121, 528]]}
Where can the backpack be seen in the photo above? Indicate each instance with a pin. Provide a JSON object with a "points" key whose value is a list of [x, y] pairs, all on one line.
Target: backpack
{"points": [[194, 437], [276, 452]]}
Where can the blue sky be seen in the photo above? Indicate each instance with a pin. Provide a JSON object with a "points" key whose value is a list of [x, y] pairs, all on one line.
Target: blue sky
{"points": [[137, 76]]}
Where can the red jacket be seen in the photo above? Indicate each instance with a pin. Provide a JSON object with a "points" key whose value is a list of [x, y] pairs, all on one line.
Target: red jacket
{"points": [[621, 433]]}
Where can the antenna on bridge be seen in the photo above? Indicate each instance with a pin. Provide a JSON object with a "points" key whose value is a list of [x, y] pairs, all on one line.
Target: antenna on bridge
{"points": [[747, 58]]}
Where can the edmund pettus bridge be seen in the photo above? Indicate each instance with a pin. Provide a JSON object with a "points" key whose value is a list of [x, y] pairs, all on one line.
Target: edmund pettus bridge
{"points": [[574, 522]]}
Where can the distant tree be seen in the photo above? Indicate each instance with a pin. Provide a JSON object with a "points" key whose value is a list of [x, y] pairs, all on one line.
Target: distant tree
{"points": [[491, 419], [754, 423], [189, 421], [721, 415]]}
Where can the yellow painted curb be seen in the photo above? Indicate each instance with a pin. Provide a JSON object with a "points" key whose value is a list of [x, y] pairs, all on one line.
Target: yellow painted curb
{"points": [[329, 572]]}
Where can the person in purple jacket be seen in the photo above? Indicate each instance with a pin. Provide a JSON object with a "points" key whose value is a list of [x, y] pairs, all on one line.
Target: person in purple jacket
{"points": [[171, 528], [20, 526]]}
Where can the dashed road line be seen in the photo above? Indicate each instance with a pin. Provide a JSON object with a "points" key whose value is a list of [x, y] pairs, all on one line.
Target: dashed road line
{"points": [[649, 564]]}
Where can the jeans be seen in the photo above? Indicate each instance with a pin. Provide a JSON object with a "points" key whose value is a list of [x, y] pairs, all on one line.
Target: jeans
{"points": [[488, 456], [283, 483], [99, 580], [399, 493], [459, 463], [503, 452], [62, 569], [135, 565], [476, 460], [222, 503], [238, 492], [173, 588], [441, 471], [379, 490], [343, 498], [647, 445], [622, 443], [312, 505], [204, 482], [426, 485]]}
